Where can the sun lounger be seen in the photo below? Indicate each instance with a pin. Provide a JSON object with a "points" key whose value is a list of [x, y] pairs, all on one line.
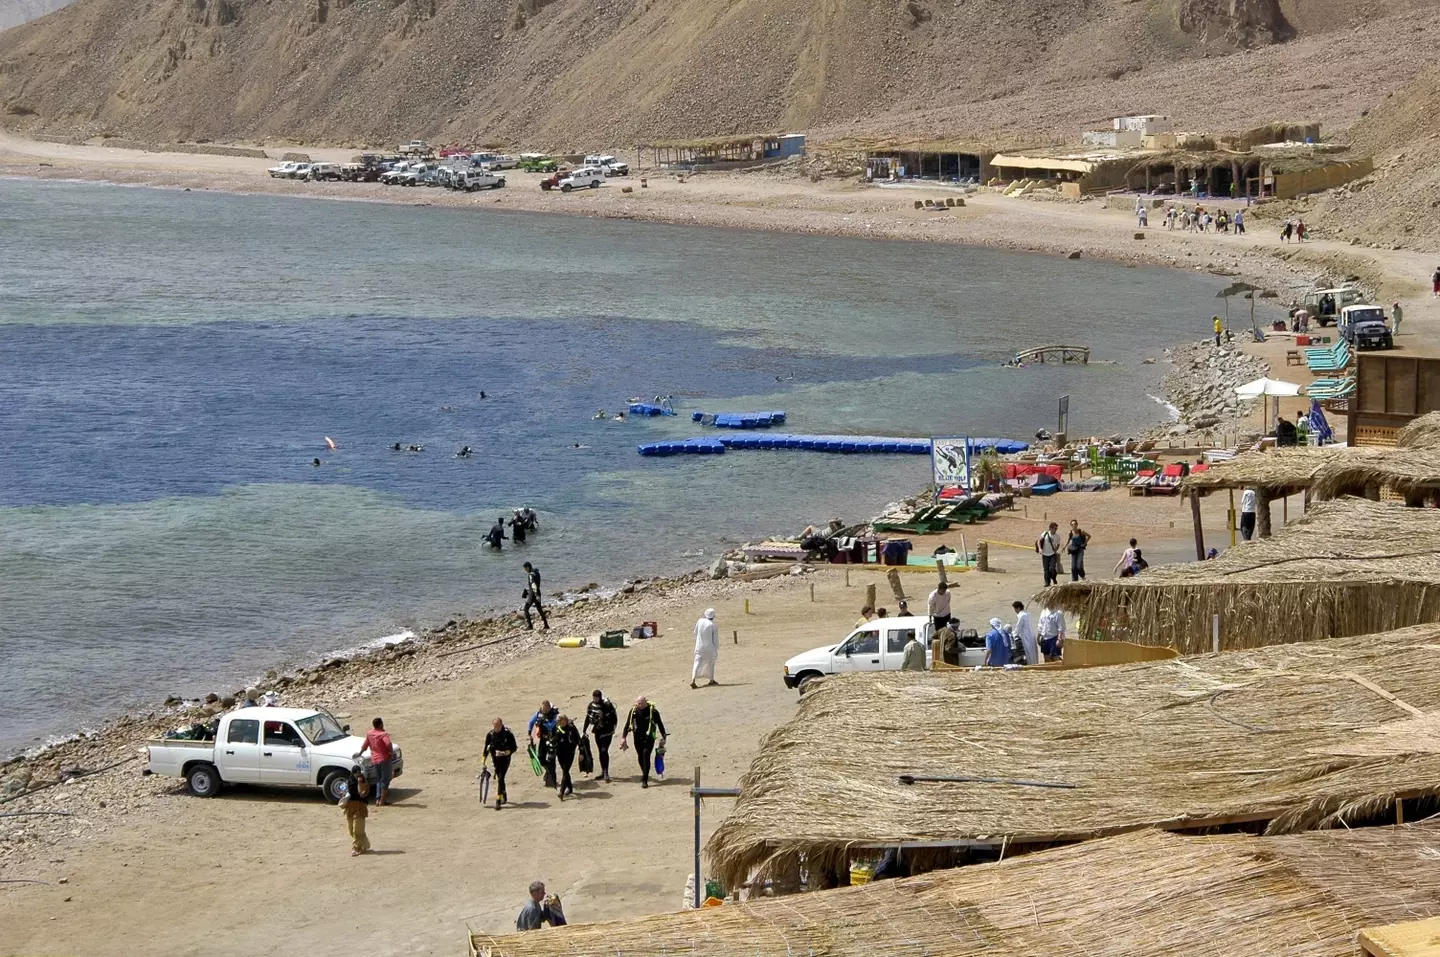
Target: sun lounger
{"points": [[1168, 481], [1142, 481], [1327, 389], [1329, 360]]}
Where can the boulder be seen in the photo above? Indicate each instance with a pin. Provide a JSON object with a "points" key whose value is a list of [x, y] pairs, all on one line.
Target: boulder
{"points": [[721, 569], [1073, 254]]}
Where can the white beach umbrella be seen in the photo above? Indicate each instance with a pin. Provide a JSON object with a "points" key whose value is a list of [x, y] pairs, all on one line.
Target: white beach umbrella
{"points": [[1266, 387]]}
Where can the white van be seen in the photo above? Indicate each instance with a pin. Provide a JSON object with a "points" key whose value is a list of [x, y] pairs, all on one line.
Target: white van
{"points": [[877, 645]]}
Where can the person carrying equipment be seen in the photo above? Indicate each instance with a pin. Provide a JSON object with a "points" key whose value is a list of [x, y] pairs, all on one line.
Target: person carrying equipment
{"points": [[645, 723]]}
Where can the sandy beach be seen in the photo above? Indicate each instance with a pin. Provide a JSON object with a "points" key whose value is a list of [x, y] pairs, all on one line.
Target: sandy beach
{"points": [[126, 863]]}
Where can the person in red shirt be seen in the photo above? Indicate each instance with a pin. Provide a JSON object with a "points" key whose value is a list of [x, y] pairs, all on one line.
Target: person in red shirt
{"points": [[377, 742]]}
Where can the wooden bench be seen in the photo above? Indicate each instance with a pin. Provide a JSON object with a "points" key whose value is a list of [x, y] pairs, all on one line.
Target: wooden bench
{"points": [[1294, 358]]}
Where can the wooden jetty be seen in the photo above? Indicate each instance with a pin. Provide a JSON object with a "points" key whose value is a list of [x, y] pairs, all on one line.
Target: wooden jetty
{"points": [[1044, 354]]}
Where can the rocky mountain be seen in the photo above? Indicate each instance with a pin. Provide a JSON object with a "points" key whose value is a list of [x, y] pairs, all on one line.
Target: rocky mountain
{"points": [[604, 73]]}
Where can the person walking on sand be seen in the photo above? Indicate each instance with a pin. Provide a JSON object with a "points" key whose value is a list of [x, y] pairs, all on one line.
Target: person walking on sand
{"points": [[937, 606], [1048, 545], [532, 598], [499, 746], [1219, 329], [644, 722], [1025, 631], [1287, 230], [541, 730], [1396, 314], [540, 909], [382, 750], [1435, 283], [1076, 543], [355, 810], [707, 649], [601, 718], [1126, 559], [1299, 230], [567, 742], [1239, 222]]}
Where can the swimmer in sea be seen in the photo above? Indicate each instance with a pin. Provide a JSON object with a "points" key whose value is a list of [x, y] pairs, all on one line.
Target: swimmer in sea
{"points": [[416, 448], [464, 453], [395, 447], [315, 462], [598, 416], [619, 416], [579, 446], [482, 393], [447, 408]]}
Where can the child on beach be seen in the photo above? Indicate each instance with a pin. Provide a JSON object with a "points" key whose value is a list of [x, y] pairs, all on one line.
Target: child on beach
{"points": [[356, 811]]}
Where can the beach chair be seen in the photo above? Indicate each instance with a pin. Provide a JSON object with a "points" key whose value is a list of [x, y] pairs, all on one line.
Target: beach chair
{"points": [[1168, 481], [1332, 362], [1329, 389], [1142, 482]]}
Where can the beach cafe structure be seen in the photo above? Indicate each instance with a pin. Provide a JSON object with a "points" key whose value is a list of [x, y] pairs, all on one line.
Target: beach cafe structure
{"points": [[1149, 893], [1347, 567], [723, 152], [976, 764]]}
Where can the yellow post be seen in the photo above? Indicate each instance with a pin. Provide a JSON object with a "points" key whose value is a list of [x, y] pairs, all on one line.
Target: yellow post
{"points": [[747, 606]]}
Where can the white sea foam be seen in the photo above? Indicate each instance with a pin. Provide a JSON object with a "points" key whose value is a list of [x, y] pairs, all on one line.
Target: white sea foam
{"points": [[1170, 410]]}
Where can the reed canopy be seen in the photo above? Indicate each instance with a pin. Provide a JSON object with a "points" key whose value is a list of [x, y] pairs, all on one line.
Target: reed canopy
{"points": [[1347, 567], [1283, 737], [1421, 432], [1412, 473], [1277, 472], [1150, 893]]}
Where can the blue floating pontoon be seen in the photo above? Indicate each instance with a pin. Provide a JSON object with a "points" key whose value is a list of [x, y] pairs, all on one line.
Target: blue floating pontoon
{"points": [[649, 408], [684, 447], [739, 420]]}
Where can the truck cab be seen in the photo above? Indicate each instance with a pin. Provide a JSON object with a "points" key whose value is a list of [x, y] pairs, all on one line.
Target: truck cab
{"points": [[1364, 327], [609, 164], [877, 645]]}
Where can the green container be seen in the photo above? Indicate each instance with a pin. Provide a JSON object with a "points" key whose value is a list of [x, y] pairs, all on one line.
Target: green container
{"points": [[715, 889], [612, 639]]}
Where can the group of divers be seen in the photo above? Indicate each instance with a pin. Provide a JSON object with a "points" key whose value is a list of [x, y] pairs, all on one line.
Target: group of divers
{"points": [[521, 523]]}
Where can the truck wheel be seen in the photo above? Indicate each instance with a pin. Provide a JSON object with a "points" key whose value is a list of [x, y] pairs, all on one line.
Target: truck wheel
{"points": [[594, 184], [565, 187], [336, 786], [204, 780]]}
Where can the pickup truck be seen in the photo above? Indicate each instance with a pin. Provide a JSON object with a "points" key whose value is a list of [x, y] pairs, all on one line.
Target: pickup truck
{"points": [[877, 645], [282, 171], [608, 163], [272, 747], [586, 177], [472, 179]]}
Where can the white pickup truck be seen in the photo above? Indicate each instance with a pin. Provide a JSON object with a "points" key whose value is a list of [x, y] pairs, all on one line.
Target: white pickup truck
{"points": [[272, 747], [877, 645]]}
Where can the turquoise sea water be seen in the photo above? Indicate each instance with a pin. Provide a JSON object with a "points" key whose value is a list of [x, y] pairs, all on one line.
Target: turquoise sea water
{"points": [[171, 362]]}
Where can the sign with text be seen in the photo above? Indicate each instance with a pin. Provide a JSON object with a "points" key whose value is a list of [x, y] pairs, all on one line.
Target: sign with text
{"points": [[950, 460]]}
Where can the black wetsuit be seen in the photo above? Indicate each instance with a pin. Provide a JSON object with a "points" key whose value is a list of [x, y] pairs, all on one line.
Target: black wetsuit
{"points": [[645, 724], [601, 718], [496, 536], [532, 600], [496, 741], [567, 740], [517, 530]]}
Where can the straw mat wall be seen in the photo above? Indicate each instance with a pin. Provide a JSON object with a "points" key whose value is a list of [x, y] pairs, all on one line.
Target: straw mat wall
{"points": [[1191, 742]]}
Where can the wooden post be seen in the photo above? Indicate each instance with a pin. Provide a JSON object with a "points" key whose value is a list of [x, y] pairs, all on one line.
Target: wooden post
{"points": [[812, 591], [735, 636], [1262, 513], [1284, 516], [1230, 518], [870, 596], [1199, 532], [982, 557]]}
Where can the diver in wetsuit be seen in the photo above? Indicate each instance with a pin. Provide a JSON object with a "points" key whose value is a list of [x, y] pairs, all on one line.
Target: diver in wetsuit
{"points": [[517, 528], [496, 534]]}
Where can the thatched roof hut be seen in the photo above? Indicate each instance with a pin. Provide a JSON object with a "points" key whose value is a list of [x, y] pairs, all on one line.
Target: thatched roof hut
{"points": [[1347, 567], [1421, 432], [1280, 736], [1278, 472], [1413, 473], [1150, 894]]}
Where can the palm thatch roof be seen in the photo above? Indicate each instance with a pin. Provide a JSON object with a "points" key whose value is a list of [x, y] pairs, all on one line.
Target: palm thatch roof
{"points": [[1421, 432], [1150, 894], [1347, 567], [1407, 471], [1284, 736], [1274, 471]]}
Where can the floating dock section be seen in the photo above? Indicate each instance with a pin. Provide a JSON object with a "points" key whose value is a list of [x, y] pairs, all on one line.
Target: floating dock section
{"points": [[649, 408], [843, 444], [684, 447], [739, 420]]}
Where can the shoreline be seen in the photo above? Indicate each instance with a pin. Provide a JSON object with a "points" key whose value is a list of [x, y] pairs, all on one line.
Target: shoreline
{"points": [[777, 200]]}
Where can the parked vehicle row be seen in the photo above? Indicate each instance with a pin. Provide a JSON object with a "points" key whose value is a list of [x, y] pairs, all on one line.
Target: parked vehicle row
{"points": [[415, 165]]}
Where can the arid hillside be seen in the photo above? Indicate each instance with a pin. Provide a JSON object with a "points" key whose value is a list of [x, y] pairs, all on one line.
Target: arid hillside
{"points": [[593, 73]]}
